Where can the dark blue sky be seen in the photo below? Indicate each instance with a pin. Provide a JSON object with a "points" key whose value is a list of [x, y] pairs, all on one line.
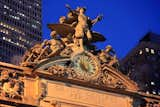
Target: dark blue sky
{"points": [[124, 22]]}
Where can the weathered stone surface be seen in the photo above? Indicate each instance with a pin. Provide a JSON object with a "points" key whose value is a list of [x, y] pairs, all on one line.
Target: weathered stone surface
{"points": [[71, 95]]}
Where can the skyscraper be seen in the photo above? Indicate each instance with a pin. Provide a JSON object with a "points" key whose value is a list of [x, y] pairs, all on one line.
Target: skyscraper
{"points": [[20, 27], [142, 64]]}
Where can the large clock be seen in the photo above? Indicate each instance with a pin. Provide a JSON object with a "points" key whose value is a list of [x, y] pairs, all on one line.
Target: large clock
{"points": [[86, 64]]}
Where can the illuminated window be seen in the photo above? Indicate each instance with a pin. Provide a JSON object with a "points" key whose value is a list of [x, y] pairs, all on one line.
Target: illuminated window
{"points": [[147, 92], [140, 52], [147, 49], [152, 83], [4, 31], [9, 40], [11, 27], [6, 7], [34, 26], [37, 4], [154, 92], [21, 14], [4, 12], [4, 38], [15, 17], [38, 22], [152, 51], [20, 38]]}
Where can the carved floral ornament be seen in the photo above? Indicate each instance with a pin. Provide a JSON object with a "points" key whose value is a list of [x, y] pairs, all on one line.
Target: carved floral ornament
{"points": [[11, 84]]}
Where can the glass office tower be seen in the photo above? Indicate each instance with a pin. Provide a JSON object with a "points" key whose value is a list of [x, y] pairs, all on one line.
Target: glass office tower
{"points": [[20, 28]]}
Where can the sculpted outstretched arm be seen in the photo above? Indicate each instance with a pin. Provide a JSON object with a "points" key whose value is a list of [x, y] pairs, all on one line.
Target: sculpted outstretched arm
{"points": [[98, 18]]}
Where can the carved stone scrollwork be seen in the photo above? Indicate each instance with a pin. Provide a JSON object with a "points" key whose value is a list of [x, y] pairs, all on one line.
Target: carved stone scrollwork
{"points": [[110, 81], [62, 71], [11, 84], [103, 78]]}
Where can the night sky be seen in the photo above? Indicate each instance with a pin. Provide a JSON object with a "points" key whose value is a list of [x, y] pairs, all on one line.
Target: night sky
{"points": [[124, 22]]}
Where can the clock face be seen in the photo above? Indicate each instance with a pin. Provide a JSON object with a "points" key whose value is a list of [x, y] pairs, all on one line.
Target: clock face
{"points": [[86, 64]]}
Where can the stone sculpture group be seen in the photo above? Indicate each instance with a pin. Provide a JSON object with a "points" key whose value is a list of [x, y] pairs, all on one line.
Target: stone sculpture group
{"points": [[71, 36]]}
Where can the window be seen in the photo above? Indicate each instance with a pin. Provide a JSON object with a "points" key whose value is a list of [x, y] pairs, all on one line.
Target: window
{"points": [[140, 52], [147, 49], [152, 51], [152, 83]]}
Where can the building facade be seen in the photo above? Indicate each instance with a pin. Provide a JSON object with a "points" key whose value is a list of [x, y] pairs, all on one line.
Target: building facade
{"points": [[66, 72], [20, 27], [142, 64], [63, 88]]}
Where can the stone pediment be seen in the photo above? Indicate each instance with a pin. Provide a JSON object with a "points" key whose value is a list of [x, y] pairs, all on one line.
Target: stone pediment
{"points": [[86, 68]]}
